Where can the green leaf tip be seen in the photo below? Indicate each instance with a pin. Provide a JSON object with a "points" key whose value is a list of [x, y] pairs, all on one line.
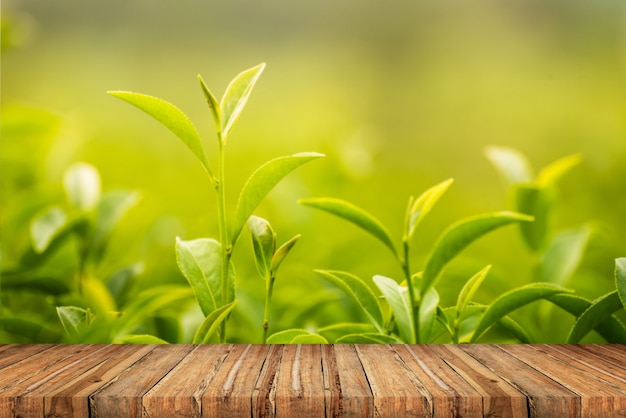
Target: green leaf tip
{"points": [[261, 182], [461, 234], [236, 96], [353, 214], [172, 118]]}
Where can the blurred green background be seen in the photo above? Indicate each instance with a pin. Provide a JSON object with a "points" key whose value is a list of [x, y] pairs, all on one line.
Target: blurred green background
{"points": [[399, 95]]}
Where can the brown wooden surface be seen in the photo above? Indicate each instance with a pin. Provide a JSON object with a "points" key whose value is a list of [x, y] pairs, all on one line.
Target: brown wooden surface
{"points": [[312, 380]]}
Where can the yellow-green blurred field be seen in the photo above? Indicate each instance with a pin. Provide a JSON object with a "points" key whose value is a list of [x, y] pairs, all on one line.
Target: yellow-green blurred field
{"points": [[399, 95]]}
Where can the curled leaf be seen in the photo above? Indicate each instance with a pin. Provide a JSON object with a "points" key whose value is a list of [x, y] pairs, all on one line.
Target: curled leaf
{"points": [[263, 243], [282, 252]]}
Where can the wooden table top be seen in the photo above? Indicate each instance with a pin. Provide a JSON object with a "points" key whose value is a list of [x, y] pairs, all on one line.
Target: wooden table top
{"points": [[312, 380]]}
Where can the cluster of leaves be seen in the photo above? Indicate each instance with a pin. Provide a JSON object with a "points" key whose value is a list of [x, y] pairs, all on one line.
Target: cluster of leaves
{"points": [[415, 314], [206, 262], [88, 308]]}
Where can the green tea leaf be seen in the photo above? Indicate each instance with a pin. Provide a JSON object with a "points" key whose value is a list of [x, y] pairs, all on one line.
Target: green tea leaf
{"points": [[423, 205], [515, 330], [82, 186], [469, 290], [511, 164], [200, 262], [73, 318], [600, 309], [236, 96], [261, 182], [286, 336], [367, 338], [563, 255], [536, 202], [353, 214], [398, 298], [309, 339], [460, 235], [45, 227], [427, 314], [336, 331], [555, 170], [282, 252], [211, 323], [512, 300], [610, 329], [620, 279], [216, 111], [141, 339], [263, 244], [172, 118], [354, 287]]}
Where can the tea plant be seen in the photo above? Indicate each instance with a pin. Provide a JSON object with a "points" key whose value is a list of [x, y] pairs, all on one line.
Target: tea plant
{"points": [[206, 262], [416, 315], [559, 254], [59, 270], [414, 302]]}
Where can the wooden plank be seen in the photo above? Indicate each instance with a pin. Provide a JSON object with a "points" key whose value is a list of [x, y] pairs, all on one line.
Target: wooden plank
{"points": [[29, 394], [613, 374], [499, 398], [397, 391], [300, 382], [229, 394], [71, 398], [13, 353], [346, 376], [599, 398], [263, 402], [121, 397], [546, 397], [40, 364], [179, 393], [613, 353], [449, 394]]}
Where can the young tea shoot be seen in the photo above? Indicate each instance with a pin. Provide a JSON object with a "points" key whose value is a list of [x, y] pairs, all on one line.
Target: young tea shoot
{"points": [[206, 262]]}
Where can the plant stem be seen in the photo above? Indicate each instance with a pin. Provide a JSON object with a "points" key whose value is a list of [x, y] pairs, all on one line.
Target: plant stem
{"points": [[268, 299], [223, 230], [407, 274]]}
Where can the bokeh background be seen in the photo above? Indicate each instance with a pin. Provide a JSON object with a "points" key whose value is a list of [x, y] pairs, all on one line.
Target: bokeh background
{"points": [[399, 95]]}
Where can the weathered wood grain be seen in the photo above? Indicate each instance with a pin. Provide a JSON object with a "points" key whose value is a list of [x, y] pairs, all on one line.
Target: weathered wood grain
{"points": [[546, 398], [179, 393], [396, 390], [347, 376], [229, 394], [121, 397], [449, 393], [599, 397], [299, 383], [312, 381], [499, 398], [71, 398]]}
